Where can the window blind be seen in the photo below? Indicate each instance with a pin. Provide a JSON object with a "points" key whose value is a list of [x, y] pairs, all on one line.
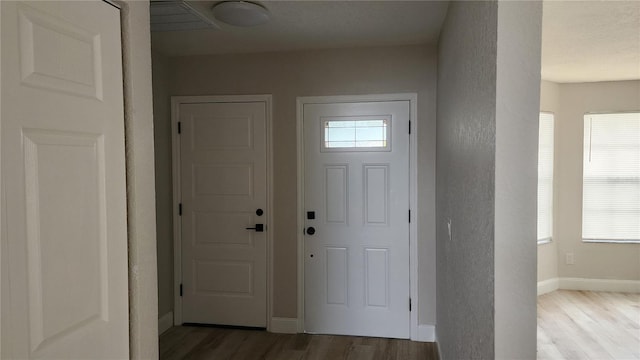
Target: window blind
{"points": [[545, 177], [611, 178]]}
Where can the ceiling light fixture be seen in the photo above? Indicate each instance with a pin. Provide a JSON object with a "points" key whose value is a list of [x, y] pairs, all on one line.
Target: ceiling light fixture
{"points": [[240, 13]]}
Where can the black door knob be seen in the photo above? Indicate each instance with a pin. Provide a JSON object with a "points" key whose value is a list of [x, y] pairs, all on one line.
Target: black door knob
{"points": [[311, 230]]}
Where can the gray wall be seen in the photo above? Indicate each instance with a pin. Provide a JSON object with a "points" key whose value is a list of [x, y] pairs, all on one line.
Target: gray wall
{"points": [[488, 104], [516, 179], [288, 75], [569, 103], [592, 260], [465, 180]]}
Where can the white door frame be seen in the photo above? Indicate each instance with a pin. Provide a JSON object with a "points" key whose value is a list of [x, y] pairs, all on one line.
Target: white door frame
{"points": [[176, 101], [413, 193]]}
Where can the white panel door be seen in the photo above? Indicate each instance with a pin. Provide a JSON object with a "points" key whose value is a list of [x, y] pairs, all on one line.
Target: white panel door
{"points": [[223, 191], [356, 218], [63, 168]]}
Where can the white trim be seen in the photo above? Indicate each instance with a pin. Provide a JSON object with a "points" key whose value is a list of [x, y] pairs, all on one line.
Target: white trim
{"points": [[548, 286], [165, 322], [625, 286], [175, 143], [413, 193], [426, 333], [284, 325]]}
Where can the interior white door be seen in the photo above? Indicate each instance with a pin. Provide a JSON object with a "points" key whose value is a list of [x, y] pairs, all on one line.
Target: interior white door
{"points": [[223, 190], [356, 200], [63, 169]]}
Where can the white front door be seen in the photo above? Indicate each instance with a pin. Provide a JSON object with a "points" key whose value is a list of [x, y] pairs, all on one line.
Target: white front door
{"points": [[223, 175], [63, 173], [356, 200]]}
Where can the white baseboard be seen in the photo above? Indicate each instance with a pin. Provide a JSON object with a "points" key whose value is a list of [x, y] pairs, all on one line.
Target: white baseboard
{"points": [[426, 333], [625, 286], [548, 286], [284, 325], [165, 322]]}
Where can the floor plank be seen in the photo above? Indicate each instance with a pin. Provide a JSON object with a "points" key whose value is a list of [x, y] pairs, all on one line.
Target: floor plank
{"points": [[588, 325], [194, 342]]}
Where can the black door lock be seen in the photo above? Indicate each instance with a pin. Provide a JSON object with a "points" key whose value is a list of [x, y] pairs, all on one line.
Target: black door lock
{"points": [[311, 230], [257, 228]]}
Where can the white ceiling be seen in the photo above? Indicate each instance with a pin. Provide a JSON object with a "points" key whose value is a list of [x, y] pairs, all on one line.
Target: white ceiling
{"points": [[585, 41], [298, 25], [582, 41]]}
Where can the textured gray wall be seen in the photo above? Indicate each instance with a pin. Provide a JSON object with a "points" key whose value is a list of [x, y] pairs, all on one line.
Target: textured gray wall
{"points": [[465, 180], [516, 179]]}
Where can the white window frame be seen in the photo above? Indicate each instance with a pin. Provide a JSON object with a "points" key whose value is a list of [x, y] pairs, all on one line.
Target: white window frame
{"points": [[600, 240], [548, 239]]}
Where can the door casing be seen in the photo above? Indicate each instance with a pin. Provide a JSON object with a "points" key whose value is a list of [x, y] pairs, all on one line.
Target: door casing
{"points": [[413, 193], [176, 101]]}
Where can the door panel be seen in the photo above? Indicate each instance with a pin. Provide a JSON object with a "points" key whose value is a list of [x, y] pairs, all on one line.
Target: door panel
{"points": [[64, 175], [357, 181], [223, 181]]}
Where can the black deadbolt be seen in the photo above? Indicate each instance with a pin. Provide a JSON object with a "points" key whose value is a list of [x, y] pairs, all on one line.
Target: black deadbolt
{"points": [[311, 230], [259, 212], [258, 228]]}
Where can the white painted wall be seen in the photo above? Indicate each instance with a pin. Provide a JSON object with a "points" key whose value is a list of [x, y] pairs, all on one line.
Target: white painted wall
{"points": [[548, 253], [592, 260], [143, 293], [516, 179], [287, 75], [164, 204]]}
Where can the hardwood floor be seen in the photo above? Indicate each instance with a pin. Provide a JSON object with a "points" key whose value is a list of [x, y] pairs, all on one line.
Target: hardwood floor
{"points": [[588, 325], [189, 342]]}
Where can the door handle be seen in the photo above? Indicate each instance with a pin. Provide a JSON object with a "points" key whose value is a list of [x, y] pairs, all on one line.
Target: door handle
{"points": [[257, 228]]}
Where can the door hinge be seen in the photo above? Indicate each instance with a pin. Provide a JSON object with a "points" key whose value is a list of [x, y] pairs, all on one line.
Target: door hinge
{"points": [[180, 209], [180, 289], [409, 127], [409, 215], [409, 302], [179, 127]]}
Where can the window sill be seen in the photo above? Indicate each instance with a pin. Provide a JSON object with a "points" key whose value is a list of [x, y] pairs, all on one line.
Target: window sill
{"points": [[544, 241], [611, 241]]}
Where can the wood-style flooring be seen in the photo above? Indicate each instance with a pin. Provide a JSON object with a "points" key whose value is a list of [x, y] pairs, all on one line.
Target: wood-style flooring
{"points": [[188, 342], [588, 325]]}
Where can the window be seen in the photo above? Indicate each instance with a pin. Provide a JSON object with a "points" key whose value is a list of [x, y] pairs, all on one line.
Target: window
{"points": [[611, 178], [355, 134], [545, 178]]}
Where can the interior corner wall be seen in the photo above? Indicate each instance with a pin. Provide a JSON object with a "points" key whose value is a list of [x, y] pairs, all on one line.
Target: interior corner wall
{"points": [[465, 188], [516, 177], [548, 252], [287, 75], [164, 201], [592, 260]]}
